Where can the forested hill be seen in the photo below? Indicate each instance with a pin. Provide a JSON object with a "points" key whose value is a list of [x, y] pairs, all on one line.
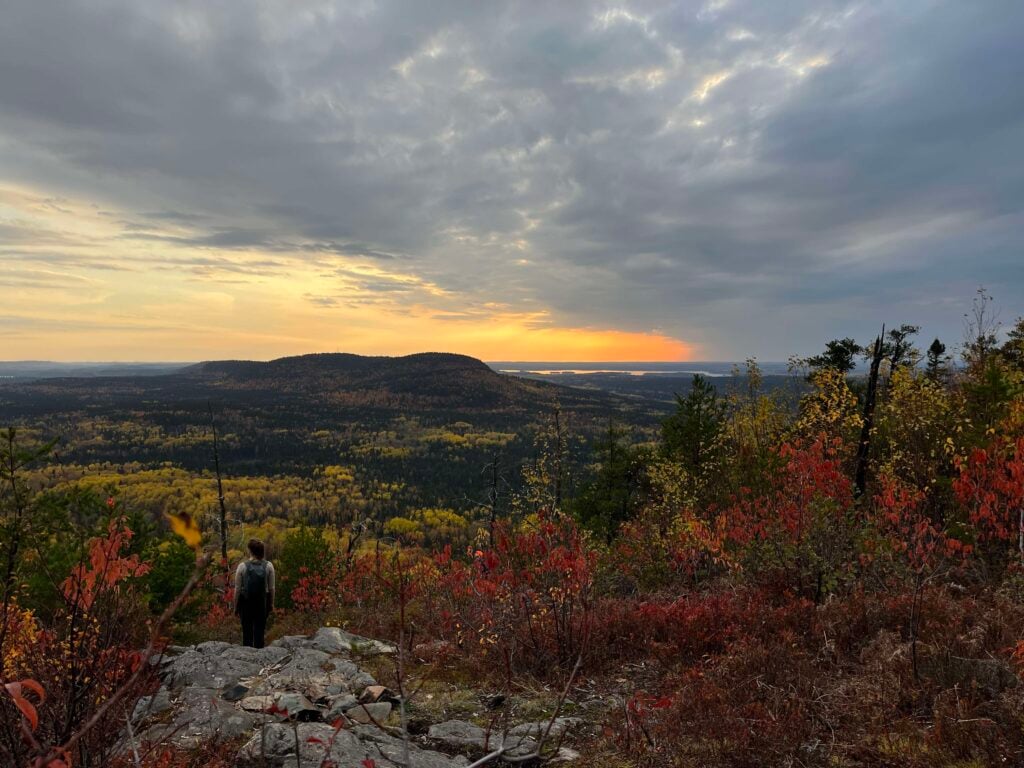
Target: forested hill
{"points": [[410, 432], [340, 364], [428, 379]]}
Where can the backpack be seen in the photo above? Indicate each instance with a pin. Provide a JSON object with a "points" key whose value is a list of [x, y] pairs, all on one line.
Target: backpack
{"points": [[254, 584]]}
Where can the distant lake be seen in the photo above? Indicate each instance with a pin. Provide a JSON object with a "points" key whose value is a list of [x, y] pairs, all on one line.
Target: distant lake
{"points": [[629, 372], [714, 369]]}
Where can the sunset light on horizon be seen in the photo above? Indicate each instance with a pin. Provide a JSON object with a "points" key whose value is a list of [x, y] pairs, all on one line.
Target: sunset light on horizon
{"points": [[134, 291]]}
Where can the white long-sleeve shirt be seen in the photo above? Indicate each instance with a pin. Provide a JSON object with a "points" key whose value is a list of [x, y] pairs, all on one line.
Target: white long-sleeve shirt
{"points": [[240, 574]]}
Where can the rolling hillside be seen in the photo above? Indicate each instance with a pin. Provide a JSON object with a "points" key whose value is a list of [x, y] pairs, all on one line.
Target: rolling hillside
{"points": [[412, 431]]}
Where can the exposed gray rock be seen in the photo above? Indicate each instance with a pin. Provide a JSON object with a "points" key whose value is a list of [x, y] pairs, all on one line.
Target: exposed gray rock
{"points": [[458, 734], [218, 647], [257, 703], [336, 640], [297, 707], [204, 717], [374, 693], [336, 706], [393, 749], [235, 692], [467, 738], [375, 712], [216, 691], [276, 747], [566, 755], [315, 674], [218, 665], [535, 730], [151, 706], [193, 668], [265, 657], [290, 642]]}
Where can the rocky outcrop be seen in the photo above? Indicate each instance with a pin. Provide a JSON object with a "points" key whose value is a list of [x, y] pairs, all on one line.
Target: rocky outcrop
{"points": [[518, 742], [302, 702], [276, 745]]}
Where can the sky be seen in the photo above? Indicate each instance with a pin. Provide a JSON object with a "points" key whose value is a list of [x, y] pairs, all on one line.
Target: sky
{"points": [[540, 180]]}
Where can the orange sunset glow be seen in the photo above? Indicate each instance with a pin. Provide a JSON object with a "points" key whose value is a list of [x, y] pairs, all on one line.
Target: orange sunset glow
{"points": [[84, 289]]}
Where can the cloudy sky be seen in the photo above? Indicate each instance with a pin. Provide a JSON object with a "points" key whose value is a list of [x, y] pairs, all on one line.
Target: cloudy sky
{"points": [[513, 180]]}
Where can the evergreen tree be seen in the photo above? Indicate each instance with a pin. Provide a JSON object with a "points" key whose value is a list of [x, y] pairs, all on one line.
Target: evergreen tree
{"points": [[839, 354], [1013, 348], [936, 360], [616, 491], [899, 348], [692, 435]]}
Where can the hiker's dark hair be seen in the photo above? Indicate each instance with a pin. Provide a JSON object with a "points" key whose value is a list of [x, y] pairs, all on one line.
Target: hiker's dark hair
{"points": [[258, 548]]}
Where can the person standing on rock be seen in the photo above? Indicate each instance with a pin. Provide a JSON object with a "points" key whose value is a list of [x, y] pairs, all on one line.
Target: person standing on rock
{"points": [[254, 594]]}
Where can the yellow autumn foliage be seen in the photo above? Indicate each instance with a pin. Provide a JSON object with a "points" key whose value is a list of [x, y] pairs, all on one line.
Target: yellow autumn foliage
{"points": [[830, 409]]}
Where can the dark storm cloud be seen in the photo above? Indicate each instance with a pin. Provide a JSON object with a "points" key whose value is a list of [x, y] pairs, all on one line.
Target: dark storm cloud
{"points": [[754, 176]]}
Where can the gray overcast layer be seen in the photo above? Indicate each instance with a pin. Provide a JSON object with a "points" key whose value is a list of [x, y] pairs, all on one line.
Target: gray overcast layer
{"points": [[753, 176]]}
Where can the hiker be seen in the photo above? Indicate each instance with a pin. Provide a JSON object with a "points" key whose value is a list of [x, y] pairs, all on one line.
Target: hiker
{"points": [[254, 594]]}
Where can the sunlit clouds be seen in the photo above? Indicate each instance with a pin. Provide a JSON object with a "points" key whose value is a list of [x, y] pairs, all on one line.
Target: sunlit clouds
{"points": [[579, 180], [83, 283]]}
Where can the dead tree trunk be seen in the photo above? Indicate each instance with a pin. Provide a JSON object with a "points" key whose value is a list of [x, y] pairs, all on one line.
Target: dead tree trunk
{"points": [[492, 498], [866, 430], [558, 459], [220, 494]]}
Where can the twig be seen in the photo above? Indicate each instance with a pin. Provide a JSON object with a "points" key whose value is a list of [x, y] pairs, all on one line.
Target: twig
{"points": [[220, 497], [131, 739], [487, 758], [561, 701]]}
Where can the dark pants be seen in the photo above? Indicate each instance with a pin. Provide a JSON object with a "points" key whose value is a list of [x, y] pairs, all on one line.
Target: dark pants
{"points": [[254, 624]]}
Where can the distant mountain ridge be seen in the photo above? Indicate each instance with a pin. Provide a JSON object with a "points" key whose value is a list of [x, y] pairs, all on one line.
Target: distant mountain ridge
{"points": [[430, 380], [435, 378], [338, 364]]}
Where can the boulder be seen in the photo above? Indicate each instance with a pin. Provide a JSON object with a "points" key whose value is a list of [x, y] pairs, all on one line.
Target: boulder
{"points": [[151, 706], [219, 647], [537, 729], [392, 749], [236, 692], [193, 668], [466, 738], [459, 735], [290, 642], [295, 706], [565, 755], [336, 706], [276, 747], [376, 712], [257, 703], [336, 640], [372, 693]]}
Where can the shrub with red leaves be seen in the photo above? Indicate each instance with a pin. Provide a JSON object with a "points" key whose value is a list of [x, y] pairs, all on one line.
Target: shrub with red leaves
{"points": [[80, 656], [991, 487]]}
